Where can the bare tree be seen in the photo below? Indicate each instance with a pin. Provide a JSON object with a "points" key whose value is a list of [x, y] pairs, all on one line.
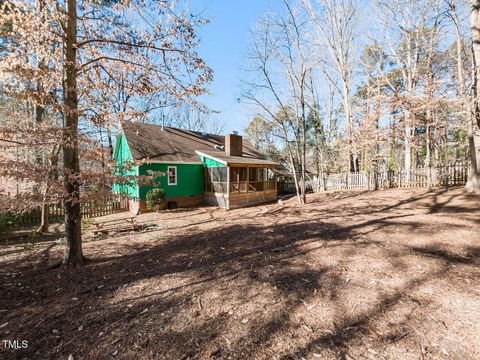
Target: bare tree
{"points": [[411, 34], [336, 28], [473, 127], [82, 43], [196, 117], [412, 66], [281, 90]]}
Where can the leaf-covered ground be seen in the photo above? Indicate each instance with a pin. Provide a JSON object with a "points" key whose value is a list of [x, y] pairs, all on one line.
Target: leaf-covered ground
{"points": [[375, 275]]}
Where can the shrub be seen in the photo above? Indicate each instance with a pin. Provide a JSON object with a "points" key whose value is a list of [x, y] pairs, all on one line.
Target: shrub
{"points": [[156, 200], [8, 222]]}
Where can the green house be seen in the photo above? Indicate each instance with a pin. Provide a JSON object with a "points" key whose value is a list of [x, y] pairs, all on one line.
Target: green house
{"points": [[194, 168]]}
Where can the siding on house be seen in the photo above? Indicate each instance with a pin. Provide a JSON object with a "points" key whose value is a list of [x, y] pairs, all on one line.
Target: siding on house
{"points": [[190, 180], [190, 177], [122, 155]]}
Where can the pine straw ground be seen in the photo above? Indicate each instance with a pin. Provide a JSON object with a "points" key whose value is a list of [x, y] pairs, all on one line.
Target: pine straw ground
{"points": [[385, 275]]}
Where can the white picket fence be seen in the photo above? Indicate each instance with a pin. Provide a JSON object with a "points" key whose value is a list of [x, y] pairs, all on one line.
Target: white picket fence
{"points": [[451, 175], [455, 174]]}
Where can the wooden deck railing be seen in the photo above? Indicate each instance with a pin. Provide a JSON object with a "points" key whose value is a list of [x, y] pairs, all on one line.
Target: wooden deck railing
{"points": [[240, 186], [251, 186], [216, 187]]}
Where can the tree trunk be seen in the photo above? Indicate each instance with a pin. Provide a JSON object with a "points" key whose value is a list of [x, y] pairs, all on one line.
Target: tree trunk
{"points": [[43, 228], [428, 160], [110, 144], [73, 250], [39, 117], [473, 128], [295, 179], [302, 184], [348, 125], [300, 163], [408, 147], [44, 223], [51, 176], [304, 145]]}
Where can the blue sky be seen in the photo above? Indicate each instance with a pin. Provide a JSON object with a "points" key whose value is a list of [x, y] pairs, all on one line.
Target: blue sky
{"points": [[224, 43]]}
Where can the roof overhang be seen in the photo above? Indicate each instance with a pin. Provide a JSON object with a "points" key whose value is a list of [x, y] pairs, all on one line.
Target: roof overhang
{"points": [[211, 157], [239, 161], [153, 161]]}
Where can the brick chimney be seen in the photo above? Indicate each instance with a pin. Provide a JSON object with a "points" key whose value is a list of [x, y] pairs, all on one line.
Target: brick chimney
{"points": [[233, 144]]}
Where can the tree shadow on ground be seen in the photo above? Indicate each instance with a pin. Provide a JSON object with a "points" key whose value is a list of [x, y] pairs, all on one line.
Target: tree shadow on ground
{"points": [[352, 328], [126, 305]]}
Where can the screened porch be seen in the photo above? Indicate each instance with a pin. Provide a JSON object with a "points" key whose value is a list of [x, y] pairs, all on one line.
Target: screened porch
{"points": [[236, 186]]}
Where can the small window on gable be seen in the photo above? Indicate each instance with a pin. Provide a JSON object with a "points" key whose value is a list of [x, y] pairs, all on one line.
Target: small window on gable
{"points": [[172, 175]]}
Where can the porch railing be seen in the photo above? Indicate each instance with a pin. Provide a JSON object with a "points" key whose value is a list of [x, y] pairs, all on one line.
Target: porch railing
{"points": [[251, 186], [240, 186]]}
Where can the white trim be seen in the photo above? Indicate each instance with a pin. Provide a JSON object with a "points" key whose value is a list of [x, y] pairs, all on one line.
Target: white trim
{"points": [[262, 162], [168, 175], [211, 157], [147, 161]]}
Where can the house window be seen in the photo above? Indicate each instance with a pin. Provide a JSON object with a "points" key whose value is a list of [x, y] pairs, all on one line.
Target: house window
{"points": [[172, 175]]}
